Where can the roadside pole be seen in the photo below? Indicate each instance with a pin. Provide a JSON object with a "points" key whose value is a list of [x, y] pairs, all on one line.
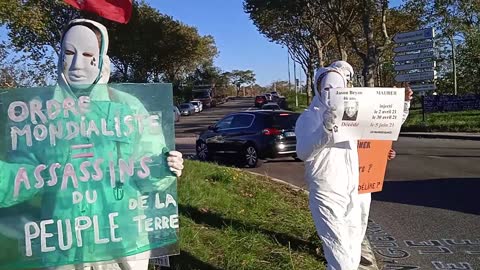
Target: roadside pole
{"points": [[295, 82], [423, 108]]}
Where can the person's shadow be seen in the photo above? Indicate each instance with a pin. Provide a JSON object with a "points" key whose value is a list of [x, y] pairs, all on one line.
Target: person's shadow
{"points": [[456, 194]]}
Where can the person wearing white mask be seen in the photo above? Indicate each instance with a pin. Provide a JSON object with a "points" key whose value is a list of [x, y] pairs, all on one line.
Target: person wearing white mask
{"points": [[339, 212], [85, 64]]}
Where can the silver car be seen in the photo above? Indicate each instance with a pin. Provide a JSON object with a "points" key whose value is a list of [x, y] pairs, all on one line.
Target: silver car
{"points": [[187, 109], [197, 104]]}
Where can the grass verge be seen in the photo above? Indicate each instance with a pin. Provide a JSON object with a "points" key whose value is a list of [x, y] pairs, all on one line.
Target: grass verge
{"points": [[302, 102], [233, 220], [464, 121]]}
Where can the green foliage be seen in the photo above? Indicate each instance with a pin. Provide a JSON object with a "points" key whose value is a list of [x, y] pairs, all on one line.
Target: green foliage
{"points": [[152, 47], [456, 24], [291, 101], [240, 78], [465, 121], [18, 71]]}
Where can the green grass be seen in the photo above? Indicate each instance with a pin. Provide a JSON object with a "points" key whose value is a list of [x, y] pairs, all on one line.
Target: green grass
{"points": [[233, 220], [302, 102], [465, 121]]}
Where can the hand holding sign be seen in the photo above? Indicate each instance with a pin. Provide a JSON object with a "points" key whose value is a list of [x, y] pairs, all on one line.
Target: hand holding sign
{"points": [[329, 118], [408, 92], [392, 154]]}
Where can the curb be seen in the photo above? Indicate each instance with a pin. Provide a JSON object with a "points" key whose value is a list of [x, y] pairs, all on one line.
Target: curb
{"points": [[367, 250], [442, 136]]}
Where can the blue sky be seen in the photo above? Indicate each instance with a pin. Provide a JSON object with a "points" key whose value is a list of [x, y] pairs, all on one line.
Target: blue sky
{"points": [[241, 46], [239, 43]]}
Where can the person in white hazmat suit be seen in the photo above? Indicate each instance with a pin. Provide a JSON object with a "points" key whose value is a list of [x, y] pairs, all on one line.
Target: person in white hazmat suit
{"points": [[84, 62], [340, 213]]}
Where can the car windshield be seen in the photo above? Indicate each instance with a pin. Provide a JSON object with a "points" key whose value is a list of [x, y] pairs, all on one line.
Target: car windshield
{"points": [[184, 106]]}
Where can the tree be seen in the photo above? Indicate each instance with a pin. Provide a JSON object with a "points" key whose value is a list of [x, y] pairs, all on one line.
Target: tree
{"points": [[294, 24], [469, 63], [152, 47], [16, 71], [168, 50], [455, 22], [240, 78], [35, 28]]}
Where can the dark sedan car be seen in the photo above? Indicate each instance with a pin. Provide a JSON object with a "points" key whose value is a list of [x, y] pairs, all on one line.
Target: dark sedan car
{"points": [[249, 136]]}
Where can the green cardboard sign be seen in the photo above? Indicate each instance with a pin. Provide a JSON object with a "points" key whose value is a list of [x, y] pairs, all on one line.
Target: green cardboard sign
{"points": [[84, 176]]}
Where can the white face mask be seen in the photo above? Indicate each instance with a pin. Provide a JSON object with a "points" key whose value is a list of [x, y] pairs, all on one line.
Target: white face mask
{"points": [[81, 58]]}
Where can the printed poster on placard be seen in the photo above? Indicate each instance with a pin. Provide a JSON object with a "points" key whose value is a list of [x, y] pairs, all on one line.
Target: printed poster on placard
{"points": [[367, 113], [372, 160], [84, 177]]}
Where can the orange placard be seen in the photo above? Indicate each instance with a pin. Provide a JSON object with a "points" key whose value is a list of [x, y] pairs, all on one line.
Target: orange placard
{"points": [[372, 158]]}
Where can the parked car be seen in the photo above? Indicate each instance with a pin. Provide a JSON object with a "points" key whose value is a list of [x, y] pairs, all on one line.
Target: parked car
{"points": [[198, 105], [260, 100], [249, 136], [176, 113], [187, 109], [195, 107], [271, 106]]}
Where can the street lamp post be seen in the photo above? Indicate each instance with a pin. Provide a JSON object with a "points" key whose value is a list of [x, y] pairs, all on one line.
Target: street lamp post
{"points": [[295, 82], [288, 61]]}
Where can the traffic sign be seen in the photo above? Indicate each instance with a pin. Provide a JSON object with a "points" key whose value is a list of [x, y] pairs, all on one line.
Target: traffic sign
{"points": [[414, 47], [427, 33], [423, 87], [418, 76], [423, 65], [413, 56]]}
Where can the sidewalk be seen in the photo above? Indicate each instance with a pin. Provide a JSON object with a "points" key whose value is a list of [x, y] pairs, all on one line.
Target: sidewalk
{"points": [[443, 135]]}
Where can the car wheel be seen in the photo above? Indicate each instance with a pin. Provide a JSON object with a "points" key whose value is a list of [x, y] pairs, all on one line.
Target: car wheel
{"points": [[202, 151], [250, 156]]}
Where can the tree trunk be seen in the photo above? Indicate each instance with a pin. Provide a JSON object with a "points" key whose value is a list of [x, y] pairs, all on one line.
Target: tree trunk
{"points": [[341, 48], [370, 60], [454, 64], [320, 48], [368, 72]]}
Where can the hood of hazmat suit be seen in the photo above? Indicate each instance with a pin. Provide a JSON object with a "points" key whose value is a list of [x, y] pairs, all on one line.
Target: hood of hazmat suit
{"points": [[103, 147], [332, 173]]}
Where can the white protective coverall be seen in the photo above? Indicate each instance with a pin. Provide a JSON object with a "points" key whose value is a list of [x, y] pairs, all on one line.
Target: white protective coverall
{"points": [[83, 72], [332, 173]]}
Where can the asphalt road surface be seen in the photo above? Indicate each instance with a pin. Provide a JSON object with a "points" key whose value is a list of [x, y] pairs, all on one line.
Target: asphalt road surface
{"points": [[428, 214]]}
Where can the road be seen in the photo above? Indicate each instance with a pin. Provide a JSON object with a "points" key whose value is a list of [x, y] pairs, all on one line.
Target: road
{"points": [[428, 214]]}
